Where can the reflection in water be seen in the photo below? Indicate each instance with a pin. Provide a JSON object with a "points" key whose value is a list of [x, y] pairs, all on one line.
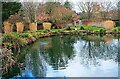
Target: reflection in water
{"points": [[35, 61], [108, 39], [73, 56], [46, 43]]}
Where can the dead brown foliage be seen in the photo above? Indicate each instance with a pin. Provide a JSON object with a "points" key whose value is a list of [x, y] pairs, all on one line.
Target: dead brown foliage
{"points": [[7, 60], [15, 18], [109, 25], [20, 27], [32, 27], [46, 25], [7, 27]]}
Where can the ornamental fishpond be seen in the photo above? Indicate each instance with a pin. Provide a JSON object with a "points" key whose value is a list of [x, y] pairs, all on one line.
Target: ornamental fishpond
{"points": [[70, 56]]}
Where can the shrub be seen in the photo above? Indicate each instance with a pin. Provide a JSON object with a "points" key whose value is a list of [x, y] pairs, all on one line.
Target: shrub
{"points": [[45, 31], [116, 29], [15, 40], [59, 30], [8, 45], [35, 35], [7, 60], [68, 28], [102, 30], [31, 39], [82, 28], [39, 31], [7, 38], [24, 35]]}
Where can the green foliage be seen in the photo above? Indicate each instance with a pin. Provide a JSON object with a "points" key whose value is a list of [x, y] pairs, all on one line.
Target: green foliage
{"points": [[7, 38], [68, 28], [21, 39], [8, 45], [81, 28], [45, 31], [9, 8], [116, 29], [14, 39], [49, 6], [24, 35], [31, 38], [39, 23], [22, 42], [57, 30], [35, 35], [102, 30], [39, 31], [91, 28], [68, 5], [80, 18]]}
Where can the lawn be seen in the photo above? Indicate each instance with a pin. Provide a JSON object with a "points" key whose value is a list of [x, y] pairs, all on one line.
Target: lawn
{"points": [[90, 28]]}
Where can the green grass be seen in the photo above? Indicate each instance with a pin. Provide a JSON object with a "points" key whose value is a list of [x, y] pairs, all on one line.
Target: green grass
{"points": [[57, 30], [91, 28], [116, 29]]}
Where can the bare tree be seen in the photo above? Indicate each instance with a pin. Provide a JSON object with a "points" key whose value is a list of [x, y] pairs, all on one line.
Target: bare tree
{"points": [[30, 10], [106, 7], [119, 11], [86, 7]]}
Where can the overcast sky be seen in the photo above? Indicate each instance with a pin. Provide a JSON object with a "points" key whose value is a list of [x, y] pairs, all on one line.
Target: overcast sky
{"points": [[73, 2]]}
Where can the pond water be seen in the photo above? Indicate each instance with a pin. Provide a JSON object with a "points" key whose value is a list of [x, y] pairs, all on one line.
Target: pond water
{"points": [[71, 56]]}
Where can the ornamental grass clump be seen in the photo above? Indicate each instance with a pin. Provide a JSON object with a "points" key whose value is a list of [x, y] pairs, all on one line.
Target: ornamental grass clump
{"points": [[47, 26], [109, 25], [20, 27], [33, 27], [7, 60], [7, 27]]}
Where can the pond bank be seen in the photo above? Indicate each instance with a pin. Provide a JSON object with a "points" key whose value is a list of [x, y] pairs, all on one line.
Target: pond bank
{"points": [[14, 40], [57, 47]]}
